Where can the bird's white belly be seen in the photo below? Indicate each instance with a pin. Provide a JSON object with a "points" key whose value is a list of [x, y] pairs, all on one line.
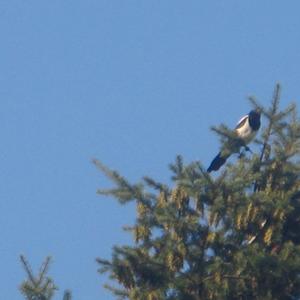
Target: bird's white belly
{"points": [[246, 133]]}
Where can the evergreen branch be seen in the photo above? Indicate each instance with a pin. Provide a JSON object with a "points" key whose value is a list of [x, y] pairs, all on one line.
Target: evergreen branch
{"points": [[44, 269], [103, 262], [28, 270], [276, 98], [48, 286], [123, 294], [40, 287], [123, 195], [113, 175], [124, 191], [222, 276], [155, 184], [254, 103], [206, 175], [177, 167], [224, 131], [105, 265], [67, 295], [270, 126], [271, 117]]}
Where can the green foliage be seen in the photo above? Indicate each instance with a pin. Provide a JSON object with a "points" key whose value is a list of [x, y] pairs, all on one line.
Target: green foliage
{"points": [[40, 287], [234, 236]]}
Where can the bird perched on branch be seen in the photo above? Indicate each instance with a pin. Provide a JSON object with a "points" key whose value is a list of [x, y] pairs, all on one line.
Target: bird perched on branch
{"points": [[245, 131]]}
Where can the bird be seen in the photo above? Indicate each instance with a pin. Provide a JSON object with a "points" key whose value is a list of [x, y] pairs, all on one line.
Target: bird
{"points": [[246, 129]]}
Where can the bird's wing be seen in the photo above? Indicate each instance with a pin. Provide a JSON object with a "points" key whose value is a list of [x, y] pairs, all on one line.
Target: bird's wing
{"points": [[241, 122]]}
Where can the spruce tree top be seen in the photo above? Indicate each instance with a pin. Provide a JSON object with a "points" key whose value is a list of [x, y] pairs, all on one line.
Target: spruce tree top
{"points": [[233, 235]]}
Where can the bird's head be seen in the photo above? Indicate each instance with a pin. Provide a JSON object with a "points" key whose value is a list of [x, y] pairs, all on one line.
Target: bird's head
{"points": [[254, 119]]}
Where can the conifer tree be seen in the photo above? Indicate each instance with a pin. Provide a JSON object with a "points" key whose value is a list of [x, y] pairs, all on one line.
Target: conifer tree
{"points": [[40, 287], [231, 235]]}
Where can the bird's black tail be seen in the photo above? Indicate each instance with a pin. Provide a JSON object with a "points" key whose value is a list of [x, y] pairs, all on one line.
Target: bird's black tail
{"points": [[217, 162]]}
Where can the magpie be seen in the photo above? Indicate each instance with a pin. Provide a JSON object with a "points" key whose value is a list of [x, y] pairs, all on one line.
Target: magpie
{"points": [[245, 130]]}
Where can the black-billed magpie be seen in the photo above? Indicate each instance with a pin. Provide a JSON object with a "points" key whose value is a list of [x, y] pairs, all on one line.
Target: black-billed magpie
{"points": [[245, 130]]}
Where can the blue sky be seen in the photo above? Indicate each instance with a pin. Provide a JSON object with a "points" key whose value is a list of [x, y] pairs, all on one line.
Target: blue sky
{"points": [[132, 83]]}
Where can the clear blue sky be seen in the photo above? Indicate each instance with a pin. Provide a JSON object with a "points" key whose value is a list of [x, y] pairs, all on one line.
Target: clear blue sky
{"points": [[132, 83]]}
